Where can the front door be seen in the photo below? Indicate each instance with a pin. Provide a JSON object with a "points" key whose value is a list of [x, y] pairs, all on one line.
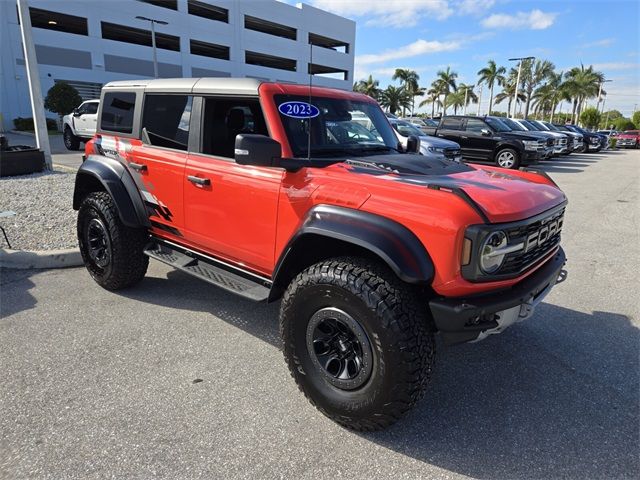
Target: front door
{"points": [[231, 209], [480, 145]]}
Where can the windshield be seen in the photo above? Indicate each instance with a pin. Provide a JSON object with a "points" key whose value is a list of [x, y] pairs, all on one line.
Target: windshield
{"points": [[562, 128], [513, 125], [338, 126], [531, 126], [549, 126], [406, 129], [497, 125]]}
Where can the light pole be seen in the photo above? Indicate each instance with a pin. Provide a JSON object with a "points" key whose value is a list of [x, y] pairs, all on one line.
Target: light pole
{"points": [[153, 21], [600, 94], [466, 92], [515, 93], [480, 100], [35, 90]]}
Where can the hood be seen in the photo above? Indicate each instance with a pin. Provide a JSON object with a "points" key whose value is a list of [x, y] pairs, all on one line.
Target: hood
{"points": [[438, 142], [626, 135], [501, 195], [535, 135]]}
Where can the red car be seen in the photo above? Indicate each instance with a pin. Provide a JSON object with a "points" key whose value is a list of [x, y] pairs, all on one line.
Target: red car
{"points": [[269, 191], [628, 139]]}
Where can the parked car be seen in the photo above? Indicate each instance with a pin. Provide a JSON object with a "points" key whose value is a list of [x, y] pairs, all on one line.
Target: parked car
{"points": [[562, 144], [628, 139], [80, 125], [370, 250], [518, 130], [578, 139], [484, 140], [593, 142], [608, 133], [431, 147]]}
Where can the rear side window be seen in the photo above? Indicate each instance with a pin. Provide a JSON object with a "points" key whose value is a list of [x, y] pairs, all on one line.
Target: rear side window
{"points": [[165, 120], [117, 112], [475, 125], [451, 124]]}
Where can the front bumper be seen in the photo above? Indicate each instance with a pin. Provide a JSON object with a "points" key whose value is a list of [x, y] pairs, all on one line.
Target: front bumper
{"points": [[466, 319], [532, 156]]}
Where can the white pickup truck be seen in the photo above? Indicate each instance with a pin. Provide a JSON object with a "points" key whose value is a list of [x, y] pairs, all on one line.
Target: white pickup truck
{"points": [[80, 125]]}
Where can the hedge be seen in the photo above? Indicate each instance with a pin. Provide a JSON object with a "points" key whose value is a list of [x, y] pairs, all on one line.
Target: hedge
{"points": [[23, 124]]}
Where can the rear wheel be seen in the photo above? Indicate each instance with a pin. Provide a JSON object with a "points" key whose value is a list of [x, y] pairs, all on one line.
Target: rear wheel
{"points": [[112, 252], [357, 342], [507, 158], [71, 142]]}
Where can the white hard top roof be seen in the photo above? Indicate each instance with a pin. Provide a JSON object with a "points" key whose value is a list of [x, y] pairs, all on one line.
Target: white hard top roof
{"points": [[224, 86]]}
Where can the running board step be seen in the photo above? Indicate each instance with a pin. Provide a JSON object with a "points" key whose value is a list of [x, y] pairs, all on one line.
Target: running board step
{"points": [[203, 268]]}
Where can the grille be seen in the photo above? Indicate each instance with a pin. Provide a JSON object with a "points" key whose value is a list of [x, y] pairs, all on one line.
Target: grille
{"points": [[451, 153], [518, 262]]}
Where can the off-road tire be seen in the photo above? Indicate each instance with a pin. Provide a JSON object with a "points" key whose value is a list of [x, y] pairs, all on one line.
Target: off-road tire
{"points": [[71, 142], [128, 263], [507, 151], [395, 321]]}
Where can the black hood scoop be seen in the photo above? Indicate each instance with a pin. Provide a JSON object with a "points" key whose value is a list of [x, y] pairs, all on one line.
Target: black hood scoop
{"points": [[405, 164]]}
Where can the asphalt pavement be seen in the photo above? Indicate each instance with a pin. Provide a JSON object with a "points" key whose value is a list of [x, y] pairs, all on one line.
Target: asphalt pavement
{"points": [[177, 379]]}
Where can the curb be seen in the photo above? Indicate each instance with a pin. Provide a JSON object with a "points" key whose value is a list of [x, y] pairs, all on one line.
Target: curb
{"points": [[40, 259]]}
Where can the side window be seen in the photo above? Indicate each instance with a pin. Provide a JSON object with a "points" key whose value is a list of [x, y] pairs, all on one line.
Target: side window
{"points": [[165, 120], [117, 112], [82, 109], [224, 118], [451, 124], [92, 108], [475, 125]]}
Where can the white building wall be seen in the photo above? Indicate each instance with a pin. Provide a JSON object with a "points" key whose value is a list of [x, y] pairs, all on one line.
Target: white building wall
{"points": [[14, 100]]}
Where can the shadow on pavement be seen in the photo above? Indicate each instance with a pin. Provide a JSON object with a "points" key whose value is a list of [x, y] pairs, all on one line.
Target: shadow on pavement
{"points": [[14, 291], [554, 397]]}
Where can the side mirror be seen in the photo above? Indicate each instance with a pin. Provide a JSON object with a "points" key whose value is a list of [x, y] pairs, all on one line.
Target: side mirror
{"points": [[257, 150], [76, 112], [413, 144], [485, 133]]}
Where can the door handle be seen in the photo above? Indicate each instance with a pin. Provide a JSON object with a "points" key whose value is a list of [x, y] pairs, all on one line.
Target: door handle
{"points": [[463, 137], [440, 135], [138, 167], [198, 180]]}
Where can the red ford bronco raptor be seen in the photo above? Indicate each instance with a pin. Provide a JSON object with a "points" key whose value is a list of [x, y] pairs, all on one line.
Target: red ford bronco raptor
{"points": [[277, 191]]}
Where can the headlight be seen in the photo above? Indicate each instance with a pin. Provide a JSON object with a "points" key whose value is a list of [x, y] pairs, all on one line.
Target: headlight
{"points": [[436, 150], [493, 251], [595, 140], [530, 144]]}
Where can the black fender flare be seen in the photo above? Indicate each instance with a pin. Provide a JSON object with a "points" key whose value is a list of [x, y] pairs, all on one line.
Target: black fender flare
{"points": [[391, 241], [117, 182]]}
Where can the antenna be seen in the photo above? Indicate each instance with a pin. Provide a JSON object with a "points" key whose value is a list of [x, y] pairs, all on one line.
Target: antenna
{"points": [[309, 118]]}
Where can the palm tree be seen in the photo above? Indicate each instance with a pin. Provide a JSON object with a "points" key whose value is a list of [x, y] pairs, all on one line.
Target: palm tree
{"points": [[468, 95], [433, 98], [547, 97], [409, 80], [446, 82], [533, 74], [395, 98], [580, 84], [455, 100], [508, 89], [492, 74], [370, 87]]}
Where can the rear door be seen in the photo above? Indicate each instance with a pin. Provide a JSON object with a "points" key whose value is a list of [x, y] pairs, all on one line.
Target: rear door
{"points": [[157, 163], [451, 128], [231, 209]]}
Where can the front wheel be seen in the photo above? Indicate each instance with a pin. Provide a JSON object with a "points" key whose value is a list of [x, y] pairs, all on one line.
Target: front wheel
{"points": [[112, 252], [507, 158], [357, 342]]}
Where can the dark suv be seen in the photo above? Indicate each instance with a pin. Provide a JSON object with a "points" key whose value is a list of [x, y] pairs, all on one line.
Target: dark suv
{"points": [[486, 139]]}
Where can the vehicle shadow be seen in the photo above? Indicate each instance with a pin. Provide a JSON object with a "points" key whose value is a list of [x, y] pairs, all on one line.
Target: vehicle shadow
{"points": [[14, 291], [556, 396]]}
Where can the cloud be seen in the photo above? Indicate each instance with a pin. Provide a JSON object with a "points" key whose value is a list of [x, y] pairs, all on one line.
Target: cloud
{"points": [[474, 7], [419, 47], [533, 20], [403, 13], [616, 66], [605, 42]]}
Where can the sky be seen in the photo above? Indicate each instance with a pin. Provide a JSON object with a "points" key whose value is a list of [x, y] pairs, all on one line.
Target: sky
{"points": [[429, 35]]}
